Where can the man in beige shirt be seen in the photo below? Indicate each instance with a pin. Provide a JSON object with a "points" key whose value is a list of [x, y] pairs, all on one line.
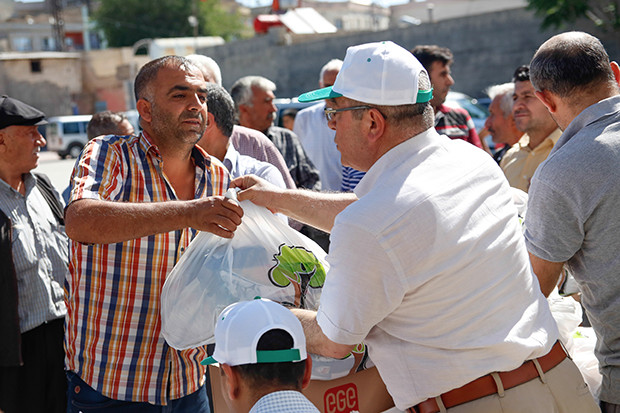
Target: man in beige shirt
{"points": [[541, 133]]}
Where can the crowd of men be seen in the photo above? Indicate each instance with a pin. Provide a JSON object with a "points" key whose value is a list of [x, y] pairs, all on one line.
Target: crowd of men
{"points": [[429, 265]]}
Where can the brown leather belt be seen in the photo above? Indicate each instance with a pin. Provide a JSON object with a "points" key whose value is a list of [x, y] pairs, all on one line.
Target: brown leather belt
{"points": [[485, 385]]}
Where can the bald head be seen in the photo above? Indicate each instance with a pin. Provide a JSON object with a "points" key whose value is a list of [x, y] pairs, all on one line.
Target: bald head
{"points": [[571, 64]]}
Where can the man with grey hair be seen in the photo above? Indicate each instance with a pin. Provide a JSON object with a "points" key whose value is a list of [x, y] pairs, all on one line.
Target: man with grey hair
{"points": [[209, 67], [247, 141], [439, 290], [317, 138], [253, 97], [573, 217], [500, 123], [216, 139]]}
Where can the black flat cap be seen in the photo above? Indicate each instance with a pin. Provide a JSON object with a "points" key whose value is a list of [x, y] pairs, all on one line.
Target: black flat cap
{"points": [[15, 112]]}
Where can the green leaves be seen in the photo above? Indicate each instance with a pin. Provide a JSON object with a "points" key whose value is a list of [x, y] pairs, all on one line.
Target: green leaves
{"points": [[124, 22], [300, 267], [556, 13], [295, 263]]}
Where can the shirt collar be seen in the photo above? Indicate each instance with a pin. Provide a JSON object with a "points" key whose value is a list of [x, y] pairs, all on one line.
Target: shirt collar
{"points": [[395, 156], [549, 141], [589, 115], [231, 159]]}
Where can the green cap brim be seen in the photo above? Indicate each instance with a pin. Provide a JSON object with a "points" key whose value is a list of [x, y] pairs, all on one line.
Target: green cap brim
{"points": [[208, 360], [267, 356], [325, 93]]}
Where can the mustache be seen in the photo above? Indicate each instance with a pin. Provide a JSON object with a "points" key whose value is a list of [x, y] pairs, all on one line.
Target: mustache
{"points": [[192, 116]]}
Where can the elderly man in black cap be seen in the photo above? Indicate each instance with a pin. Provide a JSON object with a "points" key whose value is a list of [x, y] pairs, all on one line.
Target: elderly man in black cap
{"points": [[34, 257]]}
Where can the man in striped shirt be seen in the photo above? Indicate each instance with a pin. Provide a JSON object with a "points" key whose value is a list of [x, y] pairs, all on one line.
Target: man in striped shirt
{"points": [[455, 123], [136, 203], [33, 258]]}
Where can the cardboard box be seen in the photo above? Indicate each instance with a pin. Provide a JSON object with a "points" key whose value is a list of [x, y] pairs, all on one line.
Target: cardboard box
{"points": [[363, 392]]}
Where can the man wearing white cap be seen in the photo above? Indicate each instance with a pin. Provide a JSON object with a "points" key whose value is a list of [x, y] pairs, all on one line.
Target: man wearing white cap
{"points": [[428, 266], [261, 348]]}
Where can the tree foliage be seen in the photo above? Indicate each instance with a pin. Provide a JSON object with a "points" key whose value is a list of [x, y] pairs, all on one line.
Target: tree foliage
{"points": [[124, 22], [557, 13]]}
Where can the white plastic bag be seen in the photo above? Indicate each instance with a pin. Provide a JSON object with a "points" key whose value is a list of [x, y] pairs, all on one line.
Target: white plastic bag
{"points": [[265, 258], [567, 314]]}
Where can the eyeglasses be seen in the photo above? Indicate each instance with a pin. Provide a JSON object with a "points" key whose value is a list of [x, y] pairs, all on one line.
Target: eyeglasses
{"points": [[329, 112]]}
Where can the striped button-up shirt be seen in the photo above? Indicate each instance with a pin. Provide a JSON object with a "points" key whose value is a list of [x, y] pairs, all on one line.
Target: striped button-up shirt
{"points": [[113, 337], [39, 246]]}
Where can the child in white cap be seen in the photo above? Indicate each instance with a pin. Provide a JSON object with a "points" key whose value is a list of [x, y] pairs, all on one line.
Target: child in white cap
{"points": [[261, 348]]}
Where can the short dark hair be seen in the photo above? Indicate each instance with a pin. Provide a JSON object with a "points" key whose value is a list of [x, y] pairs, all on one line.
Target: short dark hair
{"points": [[222, 107], [104, 123], [569, 62], [427, 54], [286, 374], [148, 72], [521, 74]]}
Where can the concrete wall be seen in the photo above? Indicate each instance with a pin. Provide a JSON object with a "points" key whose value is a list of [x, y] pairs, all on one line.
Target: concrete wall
{"points": [[52, 90], [487, 49]]}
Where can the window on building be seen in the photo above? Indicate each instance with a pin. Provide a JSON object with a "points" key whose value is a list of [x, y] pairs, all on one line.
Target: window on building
{"points": [[35, 66], [22, 44], [49, 44]]}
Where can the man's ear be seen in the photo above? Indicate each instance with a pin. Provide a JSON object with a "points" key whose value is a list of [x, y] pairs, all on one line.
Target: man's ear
{"points": [[144, 109], [210, 121], [376, 125], [2, 142], [308, 373], [231, 383], [243, 110], [548, 99], [616, 70]]}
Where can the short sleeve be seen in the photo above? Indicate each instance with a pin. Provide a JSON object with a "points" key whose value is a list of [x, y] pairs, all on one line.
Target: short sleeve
{"points": [[97, 174], [554, 226]]}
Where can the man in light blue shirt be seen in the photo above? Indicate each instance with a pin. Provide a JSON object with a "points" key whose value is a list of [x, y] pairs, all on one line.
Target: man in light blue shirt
{"points": [[216, 139]]}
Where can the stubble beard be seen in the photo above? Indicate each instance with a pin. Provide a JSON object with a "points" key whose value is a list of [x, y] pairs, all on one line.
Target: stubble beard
{"points": [[164, 123]]}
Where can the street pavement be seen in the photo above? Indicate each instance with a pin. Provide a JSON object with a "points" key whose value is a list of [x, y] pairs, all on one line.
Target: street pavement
{"points": [[58, 170]]}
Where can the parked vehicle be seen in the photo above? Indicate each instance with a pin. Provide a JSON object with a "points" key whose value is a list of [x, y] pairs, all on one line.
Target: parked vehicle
{"points": [[67, 134], [478, 112], [285, 103]]}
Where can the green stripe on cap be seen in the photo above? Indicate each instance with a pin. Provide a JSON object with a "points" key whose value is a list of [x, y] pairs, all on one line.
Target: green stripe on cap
{"points": [[325, 93], [277, 356], [424, 96]]}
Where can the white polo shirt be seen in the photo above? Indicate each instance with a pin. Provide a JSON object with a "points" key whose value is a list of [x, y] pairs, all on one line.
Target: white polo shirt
{"points": [[429, 269]]}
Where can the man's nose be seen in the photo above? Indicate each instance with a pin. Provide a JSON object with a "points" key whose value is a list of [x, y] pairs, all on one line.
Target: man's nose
{"points": [[196, 103], [40, 140]]}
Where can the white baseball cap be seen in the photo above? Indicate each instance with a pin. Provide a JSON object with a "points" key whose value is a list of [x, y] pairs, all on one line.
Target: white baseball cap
{"points": [[241, 325], [381, 73]]}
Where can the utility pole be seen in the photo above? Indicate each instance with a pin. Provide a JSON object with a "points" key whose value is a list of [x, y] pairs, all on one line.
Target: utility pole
{"points": [[58, 24]]}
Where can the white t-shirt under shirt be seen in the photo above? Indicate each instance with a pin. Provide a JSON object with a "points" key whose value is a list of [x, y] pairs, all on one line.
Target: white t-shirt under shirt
{"points": [[429, 269]]}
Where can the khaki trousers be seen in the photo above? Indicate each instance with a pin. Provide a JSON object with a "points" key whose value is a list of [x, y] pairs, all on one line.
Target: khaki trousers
{"points": [[561, 390]]}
